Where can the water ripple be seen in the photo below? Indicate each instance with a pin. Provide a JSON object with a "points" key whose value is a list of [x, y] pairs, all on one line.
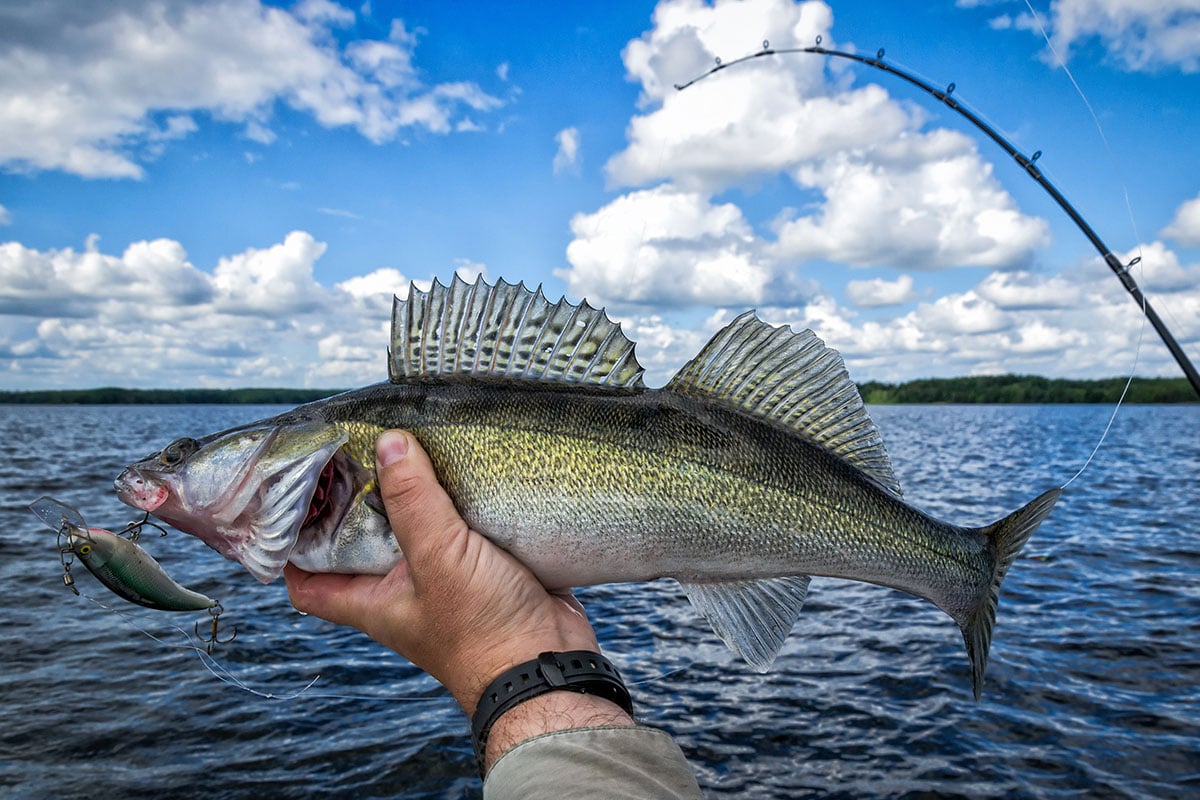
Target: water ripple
{"points": [[1093, 688]]}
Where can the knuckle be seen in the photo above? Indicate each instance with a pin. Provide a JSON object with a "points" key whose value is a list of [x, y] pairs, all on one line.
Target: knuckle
{"points": [[400, 488]]}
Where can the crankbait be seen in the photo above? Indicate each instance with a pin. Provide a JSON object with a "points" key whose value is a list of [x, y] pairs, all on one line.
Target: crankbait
{"points": [[121, 564]]}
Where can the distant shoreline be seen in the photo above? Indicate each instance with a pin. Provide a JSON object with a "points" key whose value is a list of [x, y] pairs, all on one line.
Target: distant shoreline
{"points": [[111, 395], [1027, 390], [1003, 389]]}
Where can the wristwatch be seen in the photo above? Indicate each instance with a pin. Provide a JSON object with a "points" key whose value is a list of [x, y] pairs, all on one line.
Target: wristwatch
{"points": [[580, 671]]}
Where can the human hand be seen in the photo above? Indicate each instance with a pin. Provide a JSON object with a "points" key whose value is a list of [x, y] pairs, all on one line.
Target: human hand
{"points": [[456, 605]]}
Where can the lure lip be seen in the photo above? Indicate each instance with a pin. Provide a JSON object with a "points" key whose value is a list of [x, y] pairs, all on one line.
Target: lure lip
{"points": [[56, 514]]}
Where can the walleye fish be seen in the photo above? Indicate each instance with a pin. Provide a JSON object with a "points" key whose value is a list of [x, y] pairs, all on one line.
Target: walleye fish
{"points": [[753, 469]]}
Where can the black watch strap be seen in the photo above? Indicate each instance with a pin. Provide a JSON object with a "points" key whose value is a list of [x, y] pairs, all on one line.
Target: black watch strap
{"points": [[580, 671]]}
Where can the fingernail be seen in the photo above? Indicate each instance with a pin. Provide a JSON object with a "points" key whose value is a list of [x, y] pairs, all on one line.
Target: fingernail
{"points": [[391, 447]]}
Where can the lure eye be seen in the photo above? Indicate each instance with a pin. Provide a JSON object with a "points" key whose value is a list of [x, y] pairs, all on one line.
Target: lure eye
{"points": [[177, 451], [84, 549]]}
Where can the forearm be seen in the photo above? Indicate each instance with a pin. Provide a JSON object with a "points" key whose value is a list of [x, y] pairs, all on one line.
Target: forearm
{"points": [[469, 613], [550, 713], [569, 745]]}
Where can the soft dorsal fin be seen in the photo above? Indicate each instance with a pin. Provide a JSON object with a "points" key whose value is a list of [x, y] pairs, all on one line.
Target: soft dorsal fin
{"points": [[794, 380], [506, 330]]}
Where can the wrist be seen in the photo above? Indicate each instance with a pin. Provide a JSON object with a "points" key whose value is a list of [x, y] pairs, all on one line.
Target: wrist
{"points": [[556, 691], [550, 713]]}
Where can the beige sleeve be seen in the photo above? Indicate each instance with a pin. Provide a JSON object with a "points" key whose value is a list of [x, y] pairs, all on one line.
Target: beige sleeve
{"points": [[608, 762]]}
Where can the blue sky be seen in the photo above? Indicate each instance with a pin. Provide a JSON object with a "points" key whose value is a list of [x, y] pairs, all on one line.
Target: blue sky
{"points": [[227, 193]]}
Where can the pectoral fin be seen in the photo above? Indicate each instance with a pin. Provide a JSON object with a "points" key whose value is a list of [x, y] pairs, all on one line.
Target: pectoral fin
{"points": [[751, 617]]}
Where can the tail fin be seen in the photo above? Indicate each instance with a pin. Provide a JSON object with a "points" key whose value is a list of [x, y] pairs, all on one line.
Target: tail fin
{"points": [[1006, 538]]}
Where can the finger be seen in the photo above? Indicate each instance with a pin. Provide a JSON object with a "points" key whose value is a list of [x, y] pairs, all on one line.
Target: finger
{"points": [[422, 515], [338, 598]]}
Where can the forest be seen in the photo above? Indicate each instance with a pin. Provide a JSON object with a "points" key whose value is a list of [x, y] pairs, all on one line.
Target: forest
{"points": [[1028, 389], [111, 395]]}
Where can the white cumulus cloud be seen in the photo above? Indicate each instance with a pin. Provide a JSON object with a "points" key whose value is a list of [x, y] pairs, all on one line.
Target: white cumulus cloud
{"points": [[147, 316], [669, 246], [874, 187], [1184, 228], [96, 89], [877, 293], [921, 201], [1142, 35], [1081, 323], [275, 282]]}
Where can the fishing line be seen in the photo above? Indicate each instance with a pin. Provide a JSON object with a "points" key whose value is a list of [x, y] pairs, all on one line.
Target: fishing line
{"points": [[1115, 166], [663, 675], [1113, 162], [209, 662], [225, 675]]}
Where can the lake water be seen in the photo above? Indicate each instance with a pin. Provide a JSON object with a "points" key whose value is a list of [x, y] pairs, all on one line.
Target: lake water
{"points": [[1093, 688]]}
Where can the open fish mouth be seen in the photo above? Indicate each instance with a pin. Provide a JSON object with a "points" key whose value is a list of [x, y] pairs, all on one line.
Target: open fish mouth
{"points": [[332, 493], [302, 491], [250, 494], [137, 489]]}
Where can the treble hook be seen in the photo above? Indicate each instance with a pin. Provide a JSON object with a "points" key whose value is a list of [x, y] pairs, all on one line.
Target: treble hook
{"points": [[212, 641], [134, 529]]}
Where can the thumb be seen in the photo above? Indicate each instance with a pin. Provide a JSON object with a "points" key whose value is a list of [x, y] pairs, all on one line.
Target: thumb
{"points": [[422, 515]]}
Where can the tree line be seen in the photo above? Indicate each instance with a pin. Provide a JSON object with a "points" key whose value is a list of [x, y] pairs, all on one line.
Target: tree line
{"points": [[111, 395], [1029, 389]]}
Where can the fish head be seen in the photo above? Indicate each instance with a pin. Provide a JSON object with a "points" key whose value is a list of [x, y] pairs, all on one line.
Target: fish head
{"points": [[246, 492]]}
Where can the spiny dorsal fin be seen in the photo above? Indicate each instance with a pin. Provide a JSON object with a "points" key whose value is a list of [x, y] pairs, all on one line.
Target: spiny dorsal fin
{"points": [[794, 380], [506, 331]]}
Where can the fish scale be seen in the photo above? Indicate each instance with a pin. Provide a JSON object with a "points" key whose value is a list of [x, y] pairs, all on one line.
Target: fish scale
{"points": [[755, 468]]}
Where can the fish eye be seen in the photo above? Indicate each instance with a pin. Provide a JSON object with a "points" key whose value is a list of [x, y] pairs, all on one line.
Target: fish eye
{"points": [[177, 451]]}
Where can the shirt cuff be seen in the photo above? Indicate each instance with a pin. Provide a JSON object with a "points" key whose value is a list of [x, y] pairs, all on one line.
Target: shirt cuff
{"points": [[609, 762]]}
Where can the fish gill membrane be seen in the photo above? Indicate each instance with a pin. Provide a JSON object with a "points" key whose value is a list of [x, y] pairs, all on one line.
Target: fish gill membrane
{"points": [[755, 468]]}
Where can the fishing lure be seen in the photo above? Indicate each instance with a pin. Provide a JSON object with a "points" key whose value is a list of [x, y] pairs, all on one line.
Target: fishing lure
{"points": [[122, 565]]}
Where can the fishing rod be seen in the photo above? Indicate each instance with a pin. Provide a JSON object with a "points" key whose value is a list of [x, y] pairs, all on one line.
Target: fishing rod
{"points": [[1027, 162]]}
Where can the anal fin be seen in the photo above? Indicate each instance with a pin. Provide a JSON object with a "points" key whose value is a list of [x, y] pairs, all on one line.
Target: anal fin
{"points": [[752, 617]]}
